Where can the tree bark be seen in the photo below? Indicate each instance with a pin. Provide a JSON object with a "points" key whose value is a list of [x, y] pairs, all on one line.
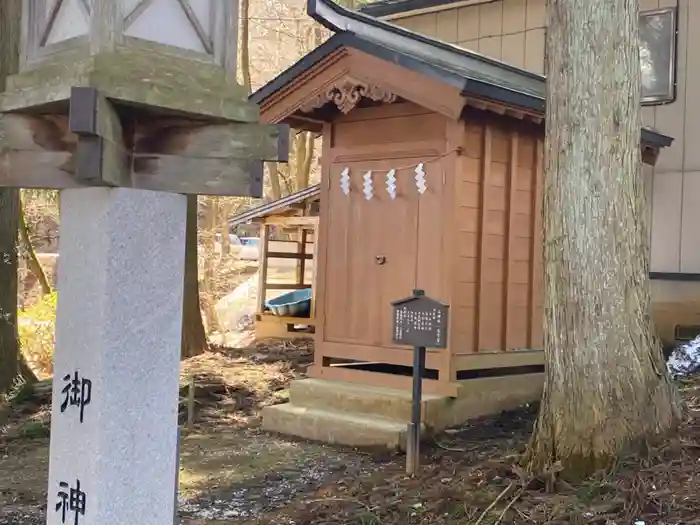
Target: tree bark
{"points": [[9, 340], [606, 387], [25, 371], [30, 254], [300, 154], [226, 205], [210, 261], [194, 339], [303, 155], [245, 45], [244, 9], [275, 187], [306, 168], [10, 13]]}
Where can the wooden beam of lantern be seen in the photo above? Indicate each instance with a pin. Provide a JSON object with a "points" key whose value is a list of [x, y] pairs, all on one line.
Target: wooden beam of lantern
{"points": [[101, 142], [100, 158]]}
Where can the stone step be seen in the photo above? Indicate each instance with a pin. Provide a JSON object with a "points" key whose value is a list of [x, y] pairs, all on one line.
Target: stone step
{"points": [[351, 398], [356, 430]]}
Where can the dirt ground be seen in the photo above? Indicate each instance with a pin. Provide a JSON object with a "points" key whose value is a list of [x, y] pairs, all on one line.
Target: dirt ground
{"points": [[233, 473]]}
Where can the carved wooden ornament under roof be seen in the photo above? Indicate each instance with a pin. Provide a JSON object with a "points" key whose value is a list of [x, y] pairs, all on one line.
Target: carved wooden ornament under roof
{"points": [[346, 93]]}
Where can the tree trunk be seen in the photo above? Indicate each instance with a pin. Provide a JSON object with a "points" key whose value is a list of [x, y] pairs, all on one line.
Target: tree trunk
{"points": [[248, 84], [606, 387], [300, 154], [303, 155], [30, 254], [208, 298], [25, 371], [194, 339], [275, 187], [306, 168], [9, 340], [226, 206], [286, 176], [245, 45], [10, 13]]}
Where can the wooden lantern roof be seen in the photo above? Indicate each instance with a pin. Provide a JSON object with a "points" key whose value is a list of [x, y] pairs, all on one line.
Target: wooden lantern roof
{"points": [[370, 61]]}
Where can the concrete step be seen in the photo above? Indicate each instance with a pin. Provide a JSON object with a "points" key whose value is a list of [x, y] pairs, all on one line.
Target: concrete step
{"points": [[356, 430], [351, 398]]}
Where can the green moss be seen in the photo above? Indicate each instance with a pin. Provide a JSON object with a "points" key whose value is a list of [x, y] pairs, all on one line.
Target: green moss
{"points": [[35, 430], [136, 74]]}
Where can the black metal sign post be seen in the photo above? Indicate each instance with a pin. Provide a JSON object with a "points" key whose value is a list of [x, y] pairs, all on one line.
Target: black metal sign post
{"points": [[421, 322], [414, 427]]}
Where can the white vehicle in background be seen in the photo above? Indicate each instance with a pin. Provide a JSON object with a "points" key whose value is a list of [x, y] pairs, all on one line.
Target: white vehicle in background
{"points": [[249, 248], [245, 248]]}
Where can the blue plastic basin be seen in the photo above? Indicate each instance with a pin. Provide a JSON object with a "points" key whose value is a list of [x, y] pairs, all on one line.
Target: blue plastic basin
{"points": [[291, 304]]}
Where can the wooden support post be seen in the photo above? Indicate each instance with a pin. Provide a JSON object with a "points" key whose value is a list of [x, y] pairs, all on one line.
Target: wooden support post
{"points": [[481, 320], [314, 274], [101, 158], [508, 265], [301, 261], [262, 265]]}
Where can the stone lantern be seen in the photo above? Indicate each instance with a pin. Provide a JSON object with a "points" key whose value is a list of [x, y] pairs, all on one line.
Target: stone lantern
{"points": [[125, 106], [144, 86]]}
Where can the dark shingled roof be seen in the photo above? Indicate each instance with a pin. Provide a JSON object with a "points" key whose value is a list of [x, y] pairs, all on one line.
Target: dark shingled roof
{"points": [[474, 74], [394, 7]]}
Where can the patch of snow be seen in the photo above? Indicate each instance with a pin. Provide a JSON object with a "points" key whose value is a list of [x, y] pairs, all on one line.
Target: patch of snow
{"points": [[685, 360]]}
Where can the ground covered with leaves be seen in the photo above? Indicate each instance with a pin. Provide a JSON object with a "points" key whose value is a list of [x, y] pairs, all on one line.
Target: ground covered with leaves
{"points": [[233, 473]]}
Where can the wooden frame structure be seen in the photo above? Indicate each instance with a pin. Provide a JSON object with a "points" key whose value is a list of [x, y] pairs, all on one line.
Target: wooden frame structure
{"points": [[270, 325], [291, 214]]}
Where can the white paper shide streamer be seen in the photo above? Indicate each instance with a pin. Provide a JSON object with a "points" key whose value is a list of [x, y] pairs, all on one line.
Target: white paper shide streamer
{"points": [[391, 184], [420, 179], [367, 186], [345, 181]]}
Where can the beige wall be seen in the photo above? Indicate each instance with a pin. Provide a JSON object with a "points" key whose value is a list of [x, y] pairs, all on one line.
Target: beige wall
{"points": [[514, 31], [509, 30], [676, 180]]}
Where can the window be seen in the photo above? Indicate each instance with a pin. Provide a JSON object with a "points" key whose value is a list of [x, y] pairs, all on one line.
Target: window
{"points": [[657, 50]]}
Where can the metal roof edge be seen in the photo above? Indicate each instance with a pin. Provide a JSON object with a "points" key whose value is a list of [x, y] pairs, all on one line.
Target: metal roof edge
{"points": [[403, 8], [303, 64], [340, 19], [271, 207]]}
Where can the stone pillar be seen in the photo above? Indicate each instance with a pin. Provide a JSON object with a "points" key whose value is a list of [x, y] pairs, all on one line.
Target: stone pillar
{"points": [[115, 394]]}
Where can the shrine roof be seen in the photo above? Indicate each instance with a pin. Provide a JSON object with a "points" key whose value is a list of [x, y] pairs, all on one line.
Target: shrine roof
{"points": [[472, 73], [277, 206]]}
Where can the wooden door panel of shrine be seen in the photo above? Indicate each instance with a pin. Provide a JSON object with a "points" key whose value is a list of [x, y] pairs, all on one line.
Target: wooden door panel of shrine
{"points": [[371, 248], [434, 228], [398, 231]]}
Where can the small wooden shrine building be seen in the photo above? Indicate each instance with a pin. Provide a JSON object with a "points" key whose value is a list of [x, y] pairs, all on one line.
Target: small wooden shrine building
{"points": [[432, 179]]}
